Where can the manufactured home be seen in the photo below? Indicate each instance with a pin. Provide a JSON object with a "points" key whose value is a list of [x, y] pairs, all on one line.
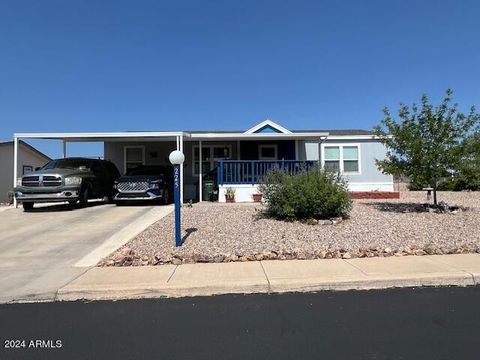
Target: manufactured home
{"points": [[240, 159]]}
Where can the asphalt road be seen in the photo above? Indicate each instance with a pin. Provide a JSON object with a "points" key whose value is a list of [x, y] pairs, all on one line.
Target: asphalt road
{"points": [[428, 323]]}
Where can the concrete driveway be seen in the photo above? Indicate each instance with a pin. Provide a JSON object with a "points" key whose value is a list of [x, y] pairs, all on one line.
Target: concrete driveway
{"points": [[42, 250]]}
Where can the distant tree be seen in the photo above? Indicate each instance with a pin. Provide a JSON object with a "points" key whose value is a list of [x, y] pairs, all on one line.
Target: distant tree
{"points": [[468, 175], [427, 143]]}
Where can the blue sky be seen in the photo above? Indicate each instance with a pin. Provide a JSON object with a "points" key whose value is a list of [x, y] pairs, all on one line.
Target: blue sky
{"points": [[153, 65]]}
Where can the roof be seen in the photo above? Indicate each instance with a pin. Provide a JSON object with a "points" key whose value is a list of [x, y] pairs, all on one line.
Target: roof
{"points": [[28, 146], [266, 130], [337, 132]]}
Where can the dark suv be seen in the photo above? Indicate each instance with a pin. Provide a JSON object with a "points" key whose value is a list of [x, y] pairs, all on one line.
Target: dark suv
{"points": [[69, 179], [145, 183]]}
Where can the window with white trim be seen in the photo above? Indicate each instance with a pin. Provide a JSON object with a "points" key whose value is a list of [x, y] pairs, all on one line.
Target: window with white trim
{"points": [[210, 155], [267, 152], [342, 158], [134, 157], [350, 159], [332, 158]]}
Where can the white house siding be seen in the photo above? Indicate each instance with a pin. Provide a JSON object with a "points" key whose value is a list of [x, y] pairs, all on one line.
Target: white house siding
{"points": [[370, 178], [26, 157]]}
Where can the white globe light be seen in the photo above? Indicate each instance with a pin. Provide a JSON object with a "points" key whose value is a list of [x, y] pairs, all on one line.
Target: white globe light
{"points": [[176, 157]]}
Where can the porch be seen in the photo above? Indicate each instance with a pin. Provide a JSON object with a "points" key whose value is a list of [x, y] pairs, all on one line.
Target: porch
{"points": [[245, 176]]}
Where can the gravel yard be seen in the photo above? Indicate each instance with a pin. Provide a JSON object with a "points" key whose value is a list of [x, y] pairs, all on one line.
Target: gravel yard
{"points": [[234, 232]]}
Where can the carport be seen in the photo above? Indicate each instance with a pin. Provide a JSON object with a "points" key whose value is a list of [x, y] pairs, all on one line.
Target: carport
{"points": [[131, 136]]}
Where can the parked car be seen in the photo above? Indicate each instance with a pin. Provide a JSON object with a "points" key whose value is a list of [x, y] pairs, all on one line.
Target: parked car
{"points": [[145, 183], [70, 179]]}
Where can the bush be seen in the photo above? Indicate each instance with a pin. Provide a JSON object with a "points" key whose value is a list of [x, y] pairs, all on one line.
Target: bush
{"points": [[462, 182], [315, 193]]}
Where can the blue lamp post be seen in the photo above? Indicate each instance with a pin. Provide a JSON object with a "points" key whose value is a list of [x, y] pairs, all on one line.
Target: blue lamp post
{"points": [[177, 158]]}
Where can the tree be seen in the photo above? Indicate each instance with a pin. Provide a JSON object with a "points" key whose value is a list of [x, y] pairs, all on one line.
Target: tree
{"points": [[427, 143]]}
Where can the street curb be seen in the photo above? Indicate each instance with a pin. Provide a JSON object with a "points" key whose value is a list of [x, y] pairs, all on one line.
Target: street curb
{"points": [[101, 293]]}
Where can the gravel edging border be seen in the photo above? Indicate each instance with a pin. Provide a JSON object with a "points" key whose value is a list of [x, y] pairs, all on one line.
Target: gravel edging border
{"points": [[127, 257]]}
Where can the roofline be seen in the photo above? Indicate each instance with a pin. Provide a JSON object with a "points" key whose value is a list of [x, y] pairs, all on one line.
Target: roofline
{"points": [[353, 137], [96, 135], [192, 135], [214, 135], [35, 150], [270, 123], [29, 147]]}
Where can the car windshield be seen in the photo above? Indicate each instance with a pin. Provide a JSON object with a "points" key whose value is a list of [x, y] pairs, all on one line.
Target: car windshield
{"points": [[147, 171], [75, 164]]}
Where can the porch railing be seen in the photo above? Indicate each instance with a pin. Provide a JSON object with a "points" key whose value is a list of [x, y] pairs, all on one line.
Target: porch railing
{"points": [[254, 171]]}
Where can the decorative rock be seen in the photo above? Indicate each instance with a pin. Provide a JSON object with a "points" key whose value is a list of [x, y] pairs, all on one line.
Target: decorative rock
{"points": [[346, 255], [336, 220], [325, 222], [176, 261], [218, 258], [388, 250]]}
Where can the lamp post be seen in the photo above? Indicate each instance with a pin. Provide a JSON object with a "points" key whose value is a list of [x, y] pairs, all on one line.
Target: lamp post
{"points": [[177, 158]]}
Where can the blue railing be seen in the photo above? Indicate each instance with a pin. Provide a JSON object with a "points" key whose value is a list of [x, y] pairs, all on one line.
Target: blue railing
{"points": [[254, 171]]}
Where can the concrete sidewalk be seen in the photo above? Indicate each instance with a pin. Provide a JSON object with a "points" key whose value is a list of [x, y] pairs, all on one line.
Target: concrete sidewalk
{"points": [[273, 277]]}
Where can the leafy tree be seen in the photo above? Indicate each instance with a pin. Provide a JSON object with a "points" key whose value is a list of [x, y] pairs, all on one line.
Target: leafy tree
{"points": [[428, 142]]}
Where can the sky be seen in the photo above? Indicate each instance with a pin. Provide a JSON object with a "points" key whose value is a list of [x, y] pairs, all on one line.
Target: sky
{"points": [[81, 65]]}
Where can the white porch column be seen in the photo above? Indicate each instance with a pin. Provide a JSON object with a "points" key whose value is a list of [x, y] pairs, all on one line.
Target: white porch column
{"points": [[15, 166], [320, 152], [200, 171], [296, 150], [64, 149], [181, 172]]}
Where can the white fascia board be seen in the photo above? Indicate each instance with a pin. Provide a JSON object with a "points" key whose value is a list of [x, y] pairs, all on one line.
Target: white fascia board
{"points": [[353, 137], [103, 135], [268, 123], [269, 136]]}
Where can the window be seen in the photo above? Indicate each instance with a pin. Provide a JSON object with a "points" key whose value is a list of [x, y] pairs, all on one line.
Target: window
{"points": [[27, 169], [332, 158], [134, 156], [350, 159], [344, 159], [267, 152], [210, 155]]}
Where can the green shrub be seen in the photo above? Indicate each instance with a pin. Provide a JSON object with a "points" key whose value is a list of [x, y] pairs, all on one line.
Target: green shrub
{"points": [[462, 182], [315, 193]]}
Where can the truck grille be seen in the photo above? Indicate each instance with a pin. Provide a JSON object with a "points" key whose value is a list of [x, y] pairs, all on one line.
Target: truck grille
{"points": [[31, 181], [140, 186], [51, 181], [36, 181]]}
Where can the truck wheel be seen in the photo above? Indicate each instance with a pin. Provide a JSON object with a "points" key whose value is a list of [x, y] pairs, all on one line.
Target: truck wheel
{"points": [[83, 198], [27, 206]]}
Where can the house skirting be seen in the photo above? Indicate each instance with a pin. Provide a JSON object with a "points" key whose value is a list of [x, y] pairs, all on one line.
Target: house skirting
{"points": [[375, 194], [244, 192]]}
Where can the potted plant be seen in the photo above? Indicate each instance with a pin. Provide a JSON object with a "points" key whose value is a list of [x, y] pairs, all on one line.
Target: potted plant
{"points": [[257, 197], [230, 195]]}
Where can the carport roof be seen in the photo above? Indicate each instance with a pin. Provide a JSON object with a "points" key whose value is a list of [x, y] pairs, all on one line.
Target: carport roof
{"points": [[104, 136]]}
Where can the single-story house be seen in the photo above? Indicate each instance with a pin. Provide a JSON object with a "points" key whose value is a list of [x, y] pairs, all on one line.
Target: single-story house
{"points": [[238, 159], [28, 158]]}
